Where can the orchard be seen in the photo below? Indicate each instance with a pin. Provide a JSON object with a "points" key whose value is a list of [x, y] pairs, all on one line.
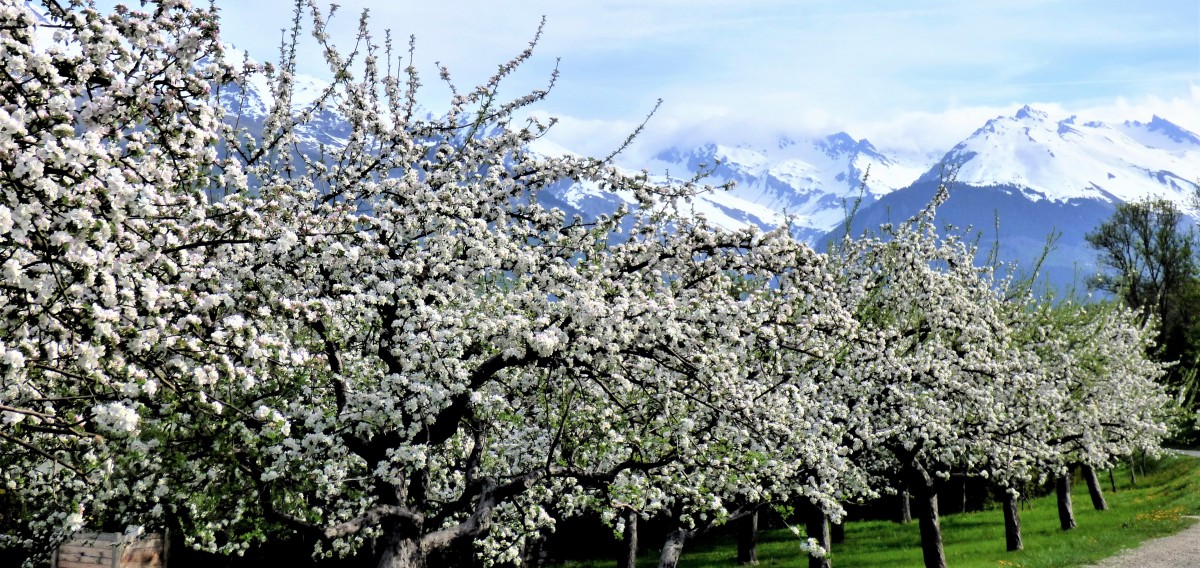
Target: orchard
{"points": [[396, 348]]}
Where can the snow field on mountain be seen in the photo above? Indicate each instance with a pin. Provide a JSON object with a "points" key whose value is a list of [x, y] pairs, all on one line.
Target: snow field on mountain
{"points": [[1062, 160]]}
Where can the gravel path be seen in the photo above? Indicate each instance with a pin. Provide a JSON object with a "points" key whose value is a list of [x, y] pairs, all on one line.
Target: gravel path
{"points": [[1180, 550]]}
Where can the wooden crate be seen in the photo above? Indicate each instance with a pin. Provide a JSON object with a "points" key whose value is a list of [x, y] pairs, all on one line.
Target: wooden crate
{"points": [[111, 550]]}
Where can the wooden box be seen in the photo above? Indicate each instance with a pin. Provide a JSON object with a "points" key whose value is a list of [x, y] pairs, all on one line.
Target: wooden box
{"points": [[111, 550]]}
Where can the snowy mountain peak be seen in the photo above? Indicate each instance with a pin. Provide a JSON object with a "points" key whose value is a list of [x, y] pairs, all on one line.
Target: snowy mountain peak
{"points": [[839, 143], [809, 179], [1064, 160], [1026, 117], [1028, 112], [1172, 130], [842, 144], [1162, 133]]}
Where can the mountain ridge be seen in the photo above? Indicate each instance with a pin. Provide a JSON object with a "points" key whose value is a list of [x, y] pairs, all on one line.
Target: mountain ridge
{"points": [[1020, 179]]}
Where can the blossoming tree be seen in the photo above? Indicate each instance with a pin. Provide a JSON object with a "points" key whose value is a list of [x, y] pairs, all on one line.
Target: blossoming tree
{"points": [[105, 130], [760, 436], [1101, 399], [392, 346], [934, 377]]}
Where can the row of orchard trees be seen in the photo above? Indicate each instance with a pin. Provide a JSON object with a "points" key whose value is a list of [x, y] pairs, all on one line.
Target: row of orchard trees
{"points": [[393, 348]]}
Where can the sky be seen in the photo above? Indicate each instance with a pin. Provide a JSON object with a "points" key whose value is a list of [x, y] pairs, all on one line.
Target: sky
{"points": [[913, 77]]}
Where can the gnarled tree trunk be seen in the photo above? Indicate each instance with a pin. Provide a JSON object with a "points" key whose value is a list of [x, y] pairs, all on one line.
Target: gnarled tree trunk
{"points": [[673, 547], [925, 494], [1094, 489], [747, 537], [1066, 514], [817, 527], [837, 532], [403, 553], [629, 544], [1012, 522], [905, 507]]}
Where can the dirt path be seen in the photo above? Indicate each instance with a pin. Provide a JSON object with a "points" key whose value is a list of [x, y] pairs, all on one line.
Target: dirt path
{"points": [[1180, 550]]}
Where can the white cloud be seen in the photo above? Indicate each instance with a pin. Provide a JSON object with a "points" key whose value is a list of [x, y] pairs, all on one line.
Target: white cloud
{"points": [[915, 77], [915, 134], [1183, 110]]}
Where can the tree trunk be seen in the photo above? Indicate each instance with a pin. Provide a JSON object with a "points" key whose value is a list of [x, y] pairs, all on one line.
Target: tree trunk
{"points": [[1132, 474], [817, 527], [1112, 480], [673, 547], [747, 537], [1012, 522], [628, 557], [1066, 516], [402, 553], [925, 495], [964, 496], [837, 532], [1094, 489], [534, 555], [905, 507]]}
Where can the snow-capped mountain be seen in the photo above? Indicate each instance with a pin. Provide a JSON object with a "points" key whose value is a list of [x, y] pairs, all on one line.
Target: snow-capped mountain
{"points": [[811, 181], [1162, 134], [1069, 159], [1022, 177], [250, 105]]}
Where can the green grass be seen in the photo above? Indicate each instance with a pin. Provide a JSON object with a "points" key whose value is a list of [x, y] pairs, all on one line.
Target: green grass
{"points": [[1158, 506]]}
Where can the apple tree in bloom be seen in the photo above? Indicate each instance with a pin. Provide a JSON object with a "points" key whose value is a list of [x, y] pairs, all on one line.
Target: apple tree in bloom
{"points": [[761, 436], [389, 348], [1102, 398], [106, 132], [392, 347], [934, 378], [1111, 401]]}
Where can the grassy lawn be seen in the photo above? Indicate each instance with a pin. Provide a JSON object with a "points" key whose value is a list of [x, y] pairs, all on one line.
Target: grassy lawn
{"points": [[1157, 507]]}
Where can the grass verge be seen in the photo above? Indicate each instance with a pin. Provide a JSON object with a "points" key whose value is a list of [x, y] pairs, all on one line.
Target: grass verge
{"points": [[1158, 506]]}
